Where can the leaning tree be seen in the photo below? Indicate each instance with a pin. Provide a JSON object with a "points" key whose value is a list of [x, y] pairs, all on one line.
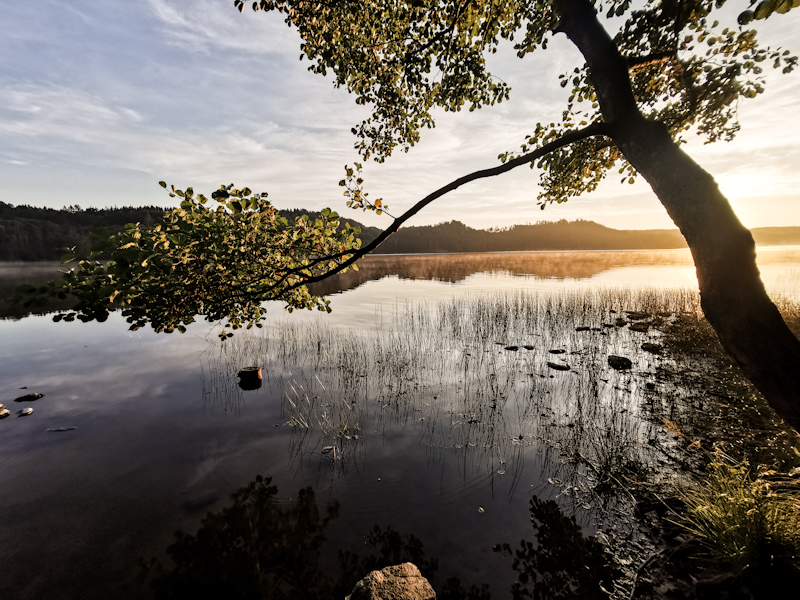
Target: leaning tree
{"points": [[671, 68]]}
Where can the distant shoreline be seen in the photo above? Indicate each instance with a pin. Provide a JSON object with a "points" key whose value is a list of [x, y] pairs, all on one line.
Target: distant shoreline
{"points": [[31, 234]]}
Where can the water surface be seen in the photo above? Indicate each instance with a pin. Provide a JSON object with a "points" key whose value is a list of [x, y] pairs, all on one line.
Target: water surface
{"points": [[162, 435]]}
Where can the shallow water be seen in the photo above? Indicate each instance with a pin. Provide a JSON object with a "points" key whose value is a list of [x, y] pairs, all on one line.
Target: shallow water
{"points": [[163, 435]]}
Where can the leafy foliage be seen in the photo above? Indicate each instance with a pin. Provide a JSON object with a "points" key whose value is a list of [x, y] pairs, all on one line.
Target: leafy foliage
{"points": [[403, 59], [687, 71], [220, 262]]}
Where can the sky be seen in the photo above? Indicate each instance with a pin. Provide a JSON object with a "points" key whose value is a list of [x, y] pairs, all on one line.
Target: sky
{"points": [[100, 100]]}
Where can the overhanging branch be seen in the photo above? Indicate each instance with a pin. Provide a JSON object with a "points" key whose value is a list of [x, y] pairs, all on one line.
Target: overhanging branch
{"points": [[568, 138]]}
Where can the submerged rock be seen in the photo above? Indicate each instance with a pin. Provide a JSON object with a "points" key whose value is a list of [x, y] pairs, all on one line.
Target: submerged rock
{"points": [[652, 348], [400, 582], [558, 366], [620, 363], [29, 398]]}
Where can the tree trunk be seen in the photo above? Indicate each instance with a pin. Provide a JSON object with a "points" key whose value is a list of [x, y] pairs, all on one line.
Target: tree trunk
{"points": [[733, 297]]}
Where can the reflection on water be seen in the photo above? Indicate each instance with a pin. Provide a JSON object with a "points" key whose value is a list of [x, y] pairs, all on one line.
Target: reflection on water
{"points": [[410, 429], [780, 270], [257, 547], [780, 266]]}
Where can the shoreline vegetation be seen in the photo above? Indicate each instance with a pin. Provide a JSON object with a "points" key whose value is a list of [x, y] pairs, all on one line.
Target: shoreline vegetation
{"points": [[30, 233]]}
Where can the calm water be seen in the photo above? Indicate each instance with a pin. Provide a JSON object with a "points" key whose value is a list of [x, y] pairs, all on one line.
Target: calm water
{"points": [[162, 435]]}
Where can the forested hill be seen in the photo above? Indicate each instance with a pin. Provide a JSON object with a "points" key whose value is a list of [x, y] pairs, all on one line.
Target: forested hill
{"points": [[28, 233], [31, 233]]}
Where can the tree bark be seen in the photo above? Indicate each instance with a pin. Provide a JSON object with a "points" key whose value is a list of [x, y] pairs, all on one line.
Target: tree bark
{"points": [[733, 297]]}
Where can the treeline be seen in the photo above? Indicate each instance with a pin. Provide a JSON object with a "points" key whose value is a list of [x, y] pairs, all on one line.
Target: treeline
{"points": [[29, 233], [559, 235]]}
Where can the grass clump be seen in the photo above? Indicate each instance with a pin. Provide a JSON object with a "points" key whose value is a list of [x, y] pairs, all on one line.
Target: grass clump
{"points": [[743, 516]]}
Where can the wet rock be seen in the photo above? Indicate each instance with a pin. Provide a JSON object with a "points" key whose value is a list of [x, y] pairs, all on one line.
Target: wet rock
{"points": [[581, 329], [652, 348], [528, 347], [25, 412], [557, 351], [400, 582], [642, 327], [620, 363], [636, 315], [558, 366], [620, 322], [4, 412], [29, 398], [250, 378], [608, 324], [512, 348]]}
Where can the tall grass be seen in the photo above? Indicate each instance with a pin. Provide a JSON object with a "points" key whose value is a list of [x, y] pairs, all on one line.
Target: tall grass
{"points": [[741, 515], [449, 370]]}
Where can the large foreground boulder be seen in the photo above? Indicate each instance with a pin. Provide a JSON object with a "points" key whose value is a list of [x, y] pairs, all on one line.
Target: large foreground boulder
{"points": [[400, 582]]}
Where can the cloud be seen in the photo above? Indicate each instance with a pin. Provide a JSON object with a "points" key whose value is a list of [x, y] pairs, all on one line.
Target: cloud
{"points": [[208, 24]]}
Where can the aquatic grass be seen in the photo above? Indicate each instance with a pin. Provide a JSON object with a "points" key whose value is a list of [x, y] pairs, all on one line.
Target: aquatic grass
{"points": [[471, 375], [738, 516]]}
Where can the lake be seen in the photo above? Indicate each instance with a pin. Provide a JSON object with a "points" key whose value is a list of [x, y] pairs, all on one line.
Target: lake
{"points": [[423, 405]]}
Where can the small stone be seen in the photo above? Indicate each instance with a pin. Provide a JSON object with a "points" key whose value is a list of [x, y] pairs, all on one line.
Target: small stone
{"points": [[581, 329], [25, 412], [528, 347], [558, 351], [620, 363], [558, 366], [400, 582], [4, 412], [29, 398], [512, 348], [652, 348], [642, 327]]}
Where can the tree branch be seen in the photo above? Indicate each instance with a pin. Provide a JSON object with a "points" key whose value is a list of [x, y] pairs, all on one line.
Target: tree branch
{"points": [[568, 138]]}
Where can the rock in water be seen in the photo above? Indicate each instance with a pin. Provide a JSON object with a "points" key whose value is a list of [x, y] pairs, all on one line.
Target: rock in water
{"points": [[641, 327], [28, 397], [620, 363], [652, 348], [512, 348], [400, 582], [4, 412], [558, 366], [25, 412]]}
